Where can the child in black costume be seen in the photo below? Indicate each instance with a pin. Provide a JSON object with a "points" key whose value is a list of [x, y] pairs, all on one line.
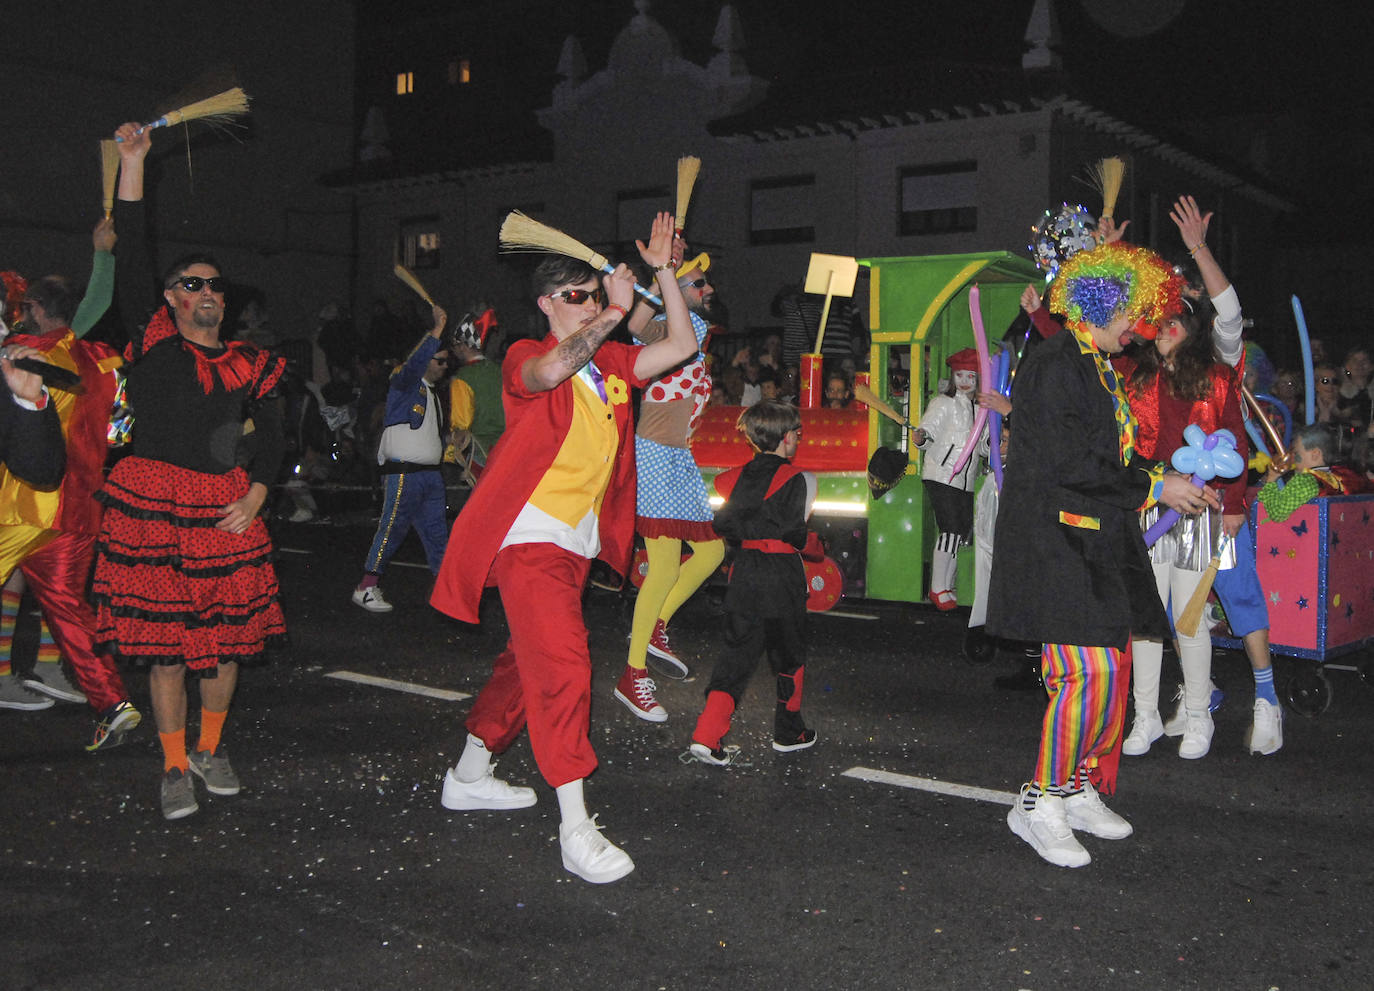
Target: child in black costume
{"points": [[766, 508]]}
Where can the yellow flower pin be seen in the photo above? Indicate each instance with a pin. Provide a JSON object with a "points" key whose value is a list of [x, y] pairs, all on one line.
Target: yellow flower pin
{"points": [[617, 390]]}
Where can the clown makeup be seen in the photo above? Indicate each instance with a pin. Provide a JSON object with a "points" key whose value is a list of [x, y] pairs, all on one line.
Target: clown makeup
{"points": [[1171, 334], [965, 382]]}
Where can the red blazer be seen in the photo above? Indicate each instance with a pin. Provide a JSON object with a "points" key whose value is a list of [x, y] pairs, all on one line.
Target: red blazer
{"points": [[536, 425]]}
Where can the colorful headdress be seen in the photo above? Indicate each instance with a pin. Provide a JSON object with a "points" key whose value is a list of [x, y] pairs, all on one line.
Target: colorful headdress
{"points": [[15, 288], [1114, 280], [473, 329], [701, 261]]}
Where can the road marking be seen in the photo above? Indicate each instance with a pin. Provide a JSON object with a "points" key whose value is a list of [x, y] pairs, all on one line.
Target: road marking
{"points": [[844, 615], [931, 784], [399, 686], [292, 550], [407, 564]]}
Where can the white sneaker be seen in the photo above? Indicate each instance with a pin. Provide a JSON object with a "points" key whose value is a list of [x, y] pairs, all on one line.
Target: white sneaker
{"points": [[1266, 735], [371, 599], [487, 792], [590, 855], [1085, 811], [1046, 829], [1145, 730], [1197, 736], [301, 515], [1178, 722]]}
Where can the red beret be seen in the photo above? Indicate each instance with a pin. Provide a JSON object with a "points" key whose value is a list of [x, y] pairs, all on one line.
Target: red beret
{"points": [[963, 361]]}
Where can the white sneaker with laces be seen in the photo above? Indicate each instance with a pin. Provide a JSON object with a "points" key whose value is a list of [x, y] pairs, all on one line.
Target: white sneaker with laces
{"points": [[1145, 730], [1197, 736], [1086, 811], [1266, 735], [371, 599], [1046, 829], [487, 792], [590, 855]]}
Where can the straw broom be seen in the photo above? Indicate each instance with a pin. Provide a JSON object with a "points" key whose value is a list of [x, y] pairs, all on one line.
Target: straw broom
{"points": [[109, 170], [870, 399], [1191, 616], [218, 109], [1107, 176], [405, 276], [522, 233], [688, 168]]}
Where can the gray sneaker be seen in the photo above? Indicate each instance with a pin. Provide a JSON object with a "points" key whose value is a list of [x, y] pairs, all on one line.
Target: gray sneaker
{"points": [[178, 795], [215, 771], [13, 695], [51, 680]]}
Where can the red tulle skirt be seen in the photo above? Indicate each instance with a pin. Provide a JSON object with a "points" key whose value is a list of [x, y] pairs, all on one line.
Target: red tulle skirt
{"points": [[169, 586]]}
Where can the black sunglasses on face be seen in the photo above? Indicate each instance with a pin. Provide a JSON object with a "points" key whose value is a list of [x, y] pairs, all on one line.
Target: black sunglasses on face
{"points": [[576, 297], [194, 283]]}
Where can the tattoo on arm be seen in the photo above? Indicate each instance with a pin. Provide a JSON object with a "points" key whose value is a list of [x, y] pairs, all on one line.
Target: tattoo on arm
{"points": [[577, 350]]}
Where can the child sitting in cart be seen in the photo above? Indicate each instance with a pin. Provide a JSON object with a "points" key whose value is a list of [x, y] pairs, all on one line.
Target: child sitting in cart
{"points": [[1310, 474]]}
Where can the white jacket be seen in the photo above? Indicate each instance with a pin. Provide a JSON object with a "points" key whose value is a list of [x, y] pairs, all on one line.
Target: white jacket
{"points": [[947, 423]]}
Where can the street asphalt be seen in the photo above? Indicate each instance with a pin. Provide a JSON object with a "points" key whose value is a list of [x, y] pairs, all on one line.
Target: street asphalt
{"points": [[879, 859]]}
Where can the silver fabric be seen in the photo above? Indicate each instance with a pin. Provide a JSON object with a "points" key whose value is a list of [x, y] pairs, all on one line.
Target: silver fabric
{"points": [[1190, 543]]}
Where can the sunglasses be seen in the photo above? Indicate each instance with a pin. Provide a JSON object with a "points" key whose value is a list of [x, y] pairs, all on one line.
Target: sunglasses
{"points": [[695, 284], [576, 297], [194, 283]]}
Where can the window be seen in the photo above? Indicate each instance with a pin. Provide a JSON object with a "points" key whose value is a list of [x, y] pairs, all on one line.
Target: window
{"points": [[782, 210], [405, 83], [938, 199], [419, 242], [459, 72]]}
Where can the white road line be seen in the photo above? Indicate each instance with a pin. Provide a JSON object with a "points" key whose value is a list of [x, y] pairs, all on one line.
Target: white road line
{"points": [[407, 564], [292, 550], [399, 686], [931, 784], [844, 615]]}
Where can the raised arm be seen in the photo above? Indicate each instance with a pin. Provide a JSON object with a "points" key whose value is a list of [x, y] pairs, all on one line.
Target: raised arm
{"points": [[552, 368], [681, 341], [1192, 226]]}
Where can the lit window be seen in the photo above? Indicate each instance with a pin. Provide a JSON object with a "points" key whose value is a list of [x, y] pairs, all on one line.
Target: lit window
{"points": [[419, 242], [459, 72], [782, 211], [405, 83], [938, 199]]}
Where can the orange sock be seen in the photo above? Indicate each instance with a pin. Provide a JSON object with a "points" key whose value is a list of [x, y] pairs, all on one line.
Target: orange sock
{"points": [[174, 750], [211, 726]]}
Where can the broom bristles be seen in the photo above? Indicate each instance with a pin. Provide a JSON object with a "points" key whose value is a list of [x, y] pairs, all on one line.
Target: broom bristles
{"points": [[688, 168], [523, 233], [1107, 176], [405, 276], [109, 169], [222, 106]]}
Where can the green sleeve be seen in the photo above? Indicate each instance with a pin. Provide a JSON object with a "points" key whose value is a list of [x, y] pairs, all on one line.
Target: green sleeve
{"points": [[99, 293]]}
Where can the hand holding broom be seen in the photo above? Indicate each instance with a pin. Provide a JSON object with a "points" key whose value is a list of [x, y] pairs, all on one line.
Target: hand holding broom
{"points": [[522, 233], [218, 109]]}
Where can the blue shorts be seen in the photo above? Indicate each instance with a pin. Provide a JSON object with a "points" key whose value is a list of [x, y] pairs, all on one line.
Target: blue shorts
{"points": [[1239, 589]]}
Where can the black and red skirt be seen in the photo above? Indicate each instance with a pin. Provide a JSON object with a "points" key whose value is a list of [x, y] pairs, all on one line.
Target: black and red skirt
{"points": [[169, 586]]}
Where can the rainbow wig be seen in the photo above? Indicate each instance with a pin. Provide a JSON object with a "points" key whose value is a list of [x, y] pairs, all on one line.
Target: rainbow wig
{"points": [[1113, 280]]}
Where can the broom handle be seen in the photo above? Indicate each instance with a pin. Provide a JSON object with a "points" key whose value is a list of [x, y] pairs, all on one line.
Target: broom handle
{"points": [[609, 269], [870, 399]]}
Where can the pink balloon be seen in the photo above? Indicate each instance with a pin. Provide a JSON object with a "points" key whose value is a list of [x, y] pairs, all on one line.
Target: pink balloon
{"points": [[980, 341]]}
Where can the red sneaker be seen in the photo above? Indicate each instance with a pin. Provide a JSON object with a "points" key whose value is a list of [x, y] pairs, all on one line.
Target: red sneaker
{"points": [[636, 690], [661, 651]]}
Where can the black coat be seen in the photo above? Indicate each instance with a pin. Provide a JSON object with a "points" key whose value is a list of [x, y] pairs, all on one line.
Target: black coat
{"points": [[31, 445], [1054, 582]]}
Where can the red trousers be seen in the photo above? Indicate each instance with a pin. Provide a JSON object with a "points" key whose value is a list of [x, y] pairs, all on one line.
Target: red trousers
{"points": [[57, 574], [543, 678]]}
